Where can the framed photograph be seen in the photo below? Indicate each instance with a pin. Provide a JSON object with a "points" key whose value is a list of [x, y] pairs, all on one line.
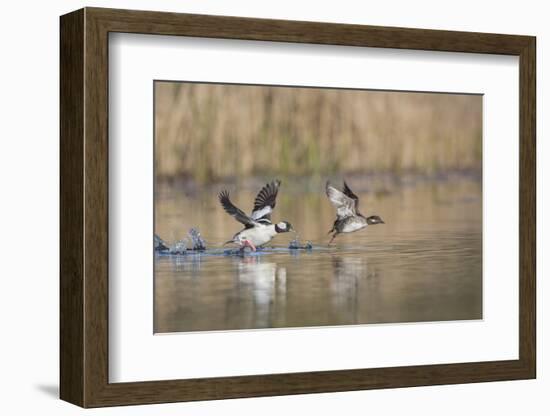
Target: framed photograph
{"points": [[255, 207]]}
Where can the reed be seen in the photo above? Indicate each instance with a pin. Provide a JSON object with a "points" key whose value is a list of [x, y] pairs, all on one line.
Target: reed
{"points": [[210, 132]]}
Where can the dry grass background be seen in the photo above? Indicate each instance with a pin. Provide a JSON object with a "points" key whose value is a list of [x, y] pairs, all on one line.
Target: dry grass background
{"points": [[211, 132]]}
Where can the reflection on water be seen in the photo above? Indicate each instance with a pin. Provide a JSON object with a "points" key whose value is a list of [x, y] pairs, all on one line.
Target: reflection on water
{"points": [[423, 265]]}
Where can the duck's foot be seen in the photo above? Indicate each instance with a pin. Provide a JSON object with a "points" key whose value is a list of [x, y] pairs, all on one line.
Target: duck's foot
{"points": [[248, 243]]}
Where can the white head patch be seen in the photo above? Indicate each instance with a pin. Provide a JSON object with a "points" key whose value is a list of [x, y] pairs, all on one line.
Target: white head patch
{"points": [[282, 225]]}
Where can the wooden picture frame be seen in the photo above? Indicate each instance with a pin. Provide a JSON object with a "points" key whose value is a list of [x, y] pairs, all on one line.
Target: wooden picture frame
{"points": [[84, 207]]}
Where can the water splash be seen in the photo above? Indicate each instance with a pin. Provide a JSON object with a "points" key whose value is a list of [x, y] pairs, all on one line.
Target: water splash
{"points": [[179, 247], [295, 245], [197, 241], [160, 245], [193, 239]]}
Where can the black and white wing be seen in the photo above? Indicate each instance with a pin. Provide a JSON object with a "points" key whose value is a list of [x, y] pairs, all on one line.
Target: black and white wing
{"points": [[349, 193], [234, 211], [265, 202], [345, 206]]}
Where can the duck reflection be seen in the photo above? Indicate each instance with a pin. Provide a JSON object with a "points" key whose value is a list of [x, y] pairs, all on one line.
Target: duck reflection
{"points": [[265, 284], [351, 280]]}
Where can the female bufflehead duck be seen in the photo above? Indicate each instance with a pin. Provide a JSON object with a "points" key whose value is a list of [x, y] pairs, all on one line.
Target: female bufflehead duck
{"points": [[258, 229], [348, 217]]}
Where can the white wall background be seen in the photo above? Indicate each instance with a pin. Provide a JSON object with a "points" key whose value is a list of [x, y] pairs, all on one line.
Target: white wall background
{"points": [[29, 158]]}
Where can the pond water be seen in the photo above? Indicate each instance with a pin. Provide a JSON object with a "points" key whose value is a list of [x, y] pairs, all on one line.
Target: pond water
{"points": [[424, 264]]}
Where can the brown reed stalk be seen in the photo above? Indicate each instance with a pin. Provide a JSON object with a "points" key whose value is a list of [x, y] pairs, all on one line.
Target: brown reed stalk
{"points": [[210, 132]]}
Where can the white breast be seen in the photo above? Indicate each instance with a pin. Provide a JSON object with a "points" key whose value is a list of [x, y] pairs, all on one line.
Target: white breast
{"points": [[352, 226], [260, 234]]}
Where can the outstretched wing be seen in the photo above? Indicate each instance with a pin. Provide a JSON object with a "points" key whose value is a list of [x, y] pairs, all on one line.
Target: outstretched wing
{"points": [[345, 206], [234, 211], [349, 193], [265, 202]]}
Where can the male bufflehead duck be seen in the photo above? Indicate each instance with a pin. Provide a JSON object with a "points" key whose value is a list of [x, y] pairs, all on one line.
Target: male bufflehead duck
{"points": [[348, 217], [258, 228]]}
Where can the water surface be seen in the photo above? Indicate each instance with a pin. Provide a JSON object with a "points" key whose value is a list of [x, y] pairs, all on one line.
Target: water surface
{"points": [[424, 264]]}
